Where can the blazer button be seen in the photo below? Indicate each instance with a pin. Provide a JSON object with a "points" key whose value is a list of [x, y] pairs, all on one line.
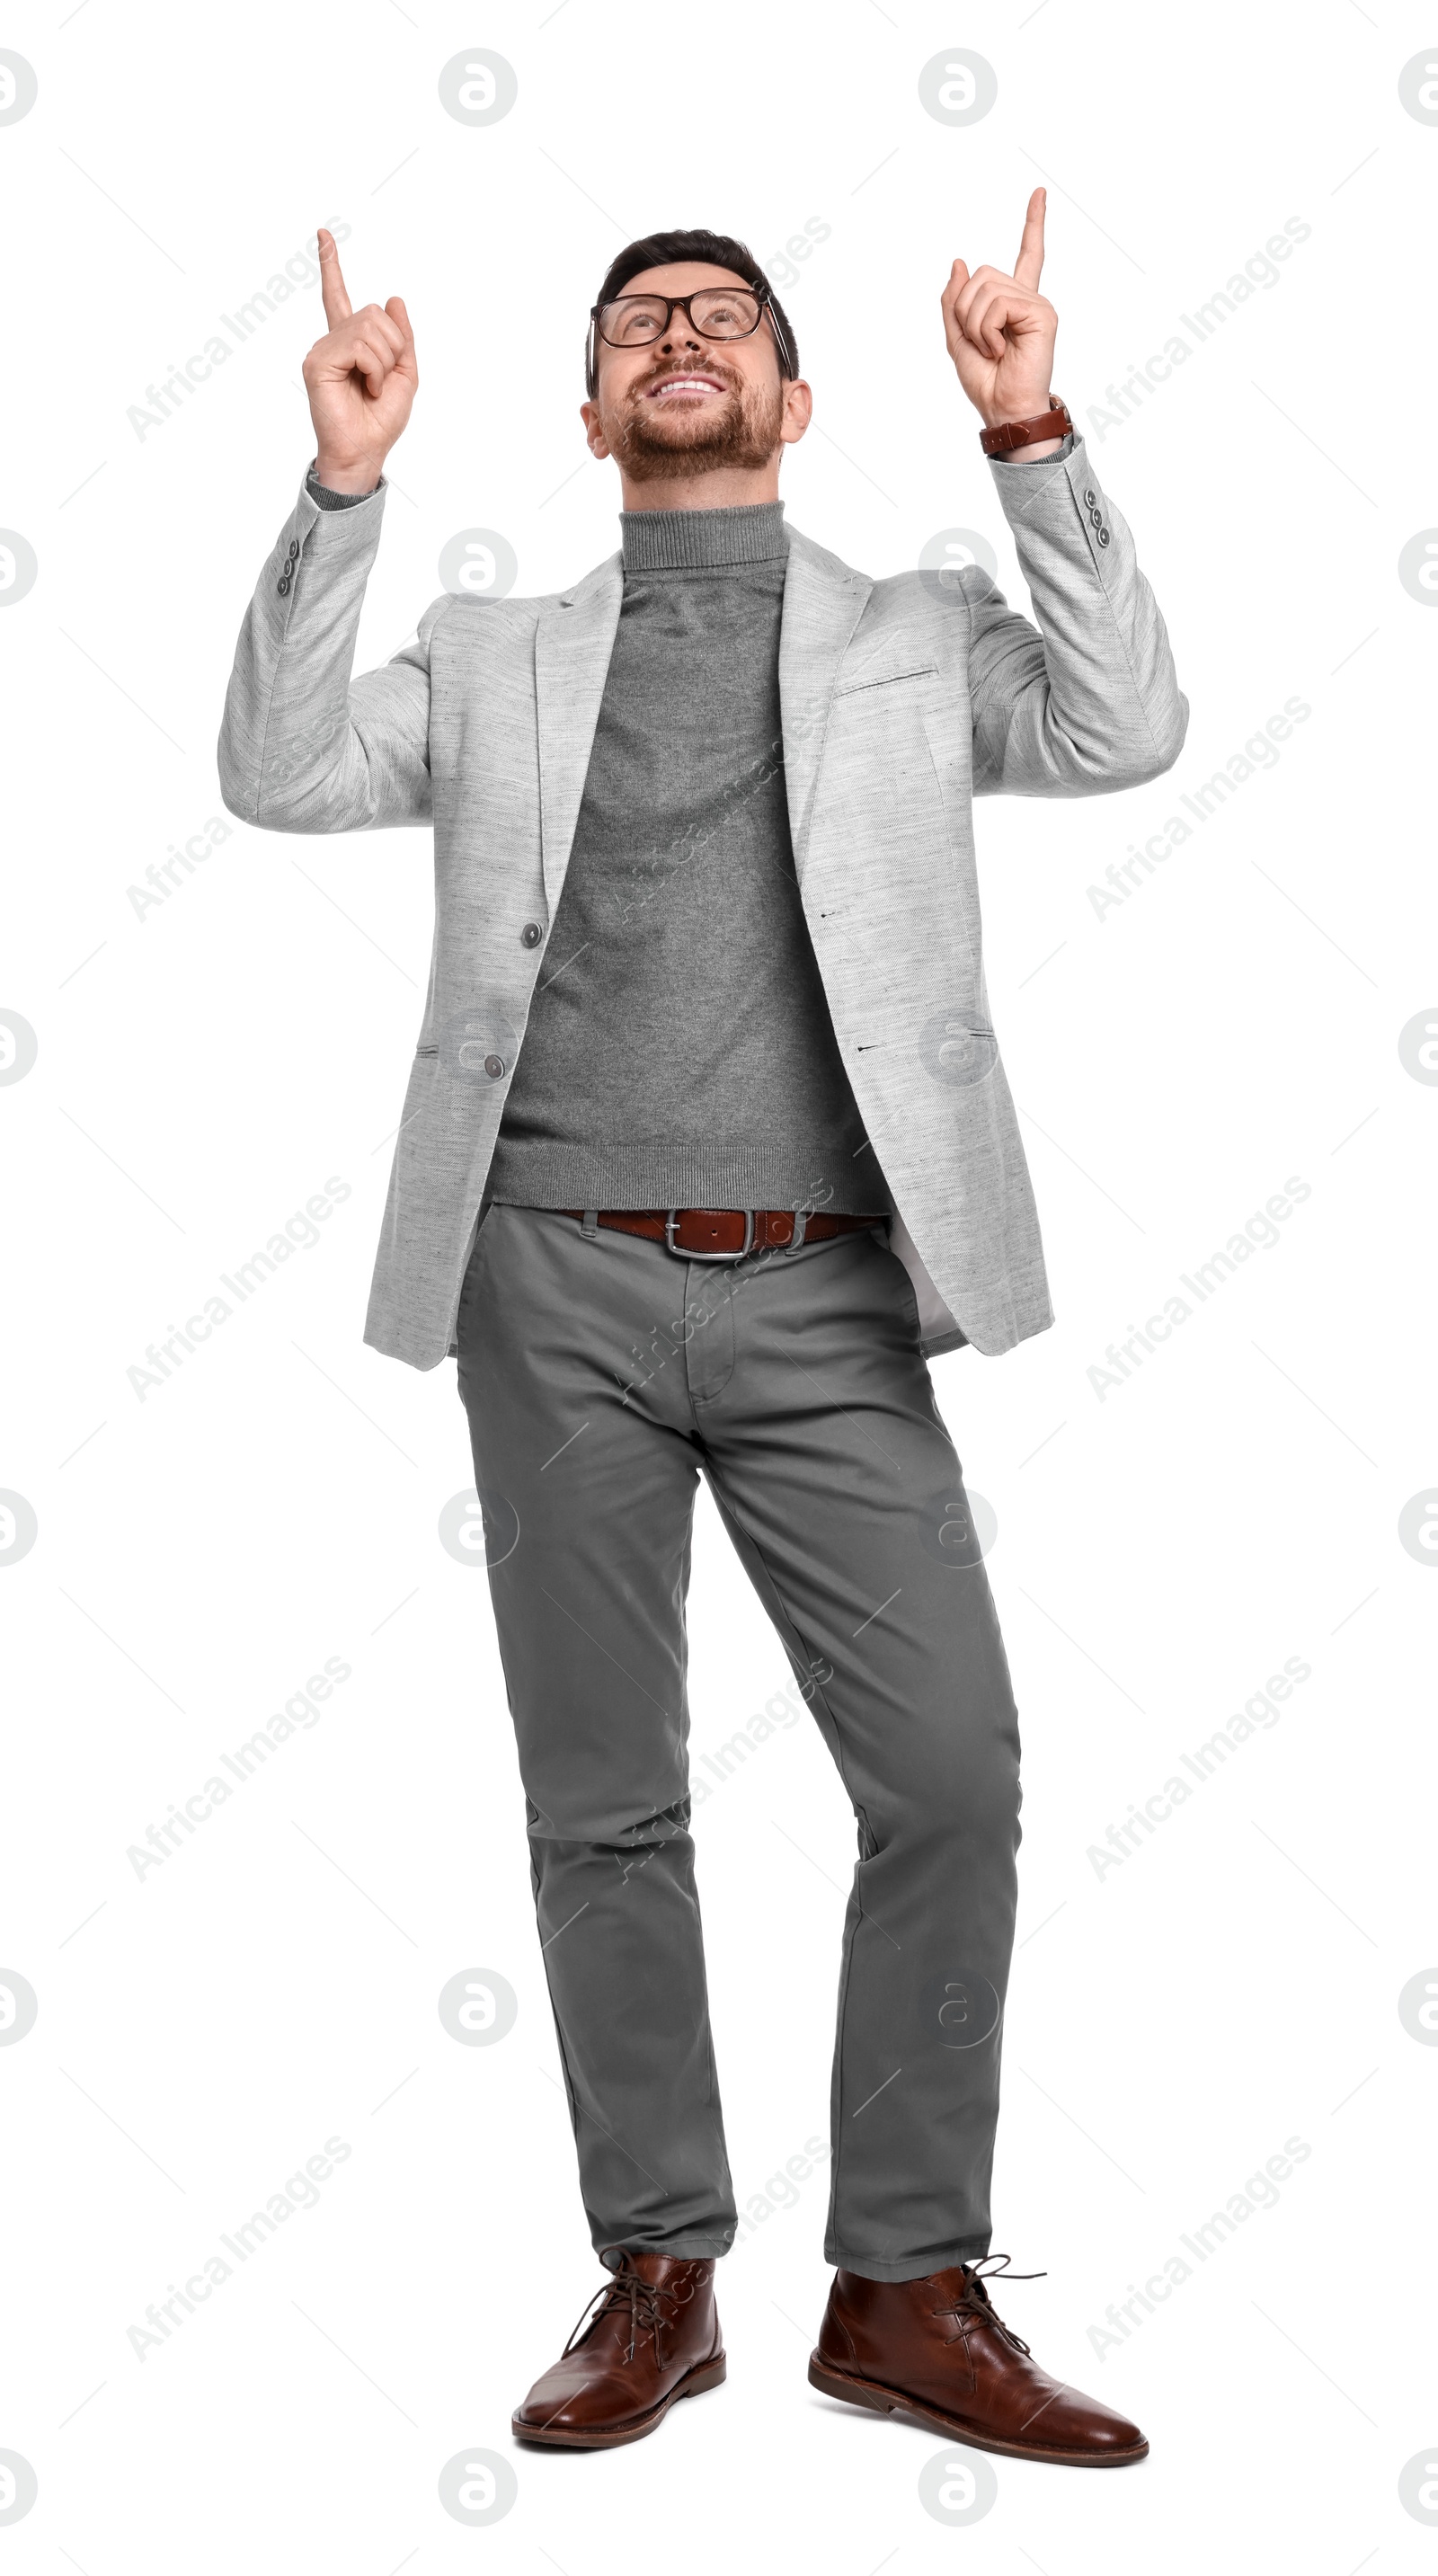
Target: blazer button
{"points": [[294, 550], [531, 934], [1103, 536], [494, 1066], [1089, 499], [283, 586]]}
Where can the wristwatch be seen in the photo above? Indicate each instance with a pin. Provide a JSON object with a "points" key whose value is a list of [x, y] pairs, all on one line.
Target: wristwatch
{"points": [[1053, 423]]}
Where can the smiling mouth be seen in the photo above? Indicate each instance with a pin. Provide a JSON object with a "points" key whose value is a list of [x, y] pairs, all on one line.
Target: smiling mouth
{"points": [[686, 386]]}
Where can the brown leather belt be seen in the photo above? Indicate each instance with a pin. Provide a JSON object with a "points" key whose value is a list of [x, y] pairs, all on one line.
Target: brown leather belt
{"points": [[724, 1234]]}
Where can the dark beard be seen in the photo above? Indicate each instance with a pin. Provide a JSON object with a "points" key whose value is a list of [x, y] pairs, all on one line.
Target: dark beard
{"points": [[745, 434]]}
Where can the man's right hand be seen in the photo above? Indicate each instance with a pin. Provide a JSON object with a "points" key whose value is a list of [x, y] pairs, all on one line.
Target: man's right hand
{"points": [[361, 379]]}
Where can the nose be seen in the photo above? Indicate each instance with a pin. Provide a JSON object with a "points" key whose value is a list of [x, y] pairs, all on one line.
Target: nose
{"points": [[681, 334]]}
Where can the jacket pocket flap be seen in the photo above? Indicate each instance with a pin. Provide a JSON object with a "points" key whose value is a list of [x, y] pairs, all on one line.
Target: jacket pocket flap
{"points": [[886, 679]]}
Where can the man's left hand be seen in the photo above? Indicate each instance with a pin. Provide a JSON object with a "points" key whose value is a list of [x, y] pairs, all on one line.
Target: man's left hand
{"points": [[1001, 331]]}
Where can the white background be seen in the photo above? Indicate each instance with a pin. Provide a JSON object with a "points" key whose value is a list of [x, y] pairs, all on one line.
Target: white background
{"points": [[1163, 1547]]}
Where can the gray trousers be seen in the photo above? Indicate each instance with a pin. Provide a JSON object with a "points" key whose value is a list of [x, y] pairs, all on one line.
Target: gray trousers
{"points": [[602, 1376]]}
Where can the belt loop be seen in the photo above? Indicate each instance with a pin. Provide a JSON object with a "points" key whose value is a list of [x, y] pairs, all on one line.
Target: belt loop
{"points": [[801, 1219], [589, 1222]]}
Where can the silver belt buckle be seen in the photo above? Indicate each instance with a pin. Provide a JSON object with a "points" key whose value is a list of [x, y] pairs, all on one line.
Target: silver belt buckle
{"points": [[671, 1218]]}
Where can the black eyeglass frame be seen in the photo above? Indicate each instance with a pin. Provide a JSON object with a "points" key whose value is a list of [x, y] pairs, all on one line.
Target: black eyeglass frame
{"points": [[788, 365]]}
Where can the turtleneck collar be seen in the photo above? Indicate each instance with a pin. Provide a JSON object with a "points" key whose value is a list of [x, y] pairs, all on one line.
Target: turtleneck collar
{"points": [[698, 540]]}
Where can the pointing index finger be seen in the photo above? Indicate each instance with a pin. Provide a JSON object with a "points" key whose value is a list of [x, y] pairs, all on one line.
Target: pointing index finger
{"points": [[1028, 267], [338, 307]]}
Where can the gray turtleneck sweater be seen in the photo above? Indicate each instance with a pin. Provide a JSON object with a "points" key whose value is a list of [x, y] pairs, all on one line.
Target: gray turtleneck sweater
{"points": [[679, 1051]]}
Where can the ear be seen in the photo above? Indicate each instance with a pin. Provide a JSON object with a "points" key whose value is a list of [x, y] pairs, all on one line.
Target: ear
{"points": [[798, 410], [598, 443]]}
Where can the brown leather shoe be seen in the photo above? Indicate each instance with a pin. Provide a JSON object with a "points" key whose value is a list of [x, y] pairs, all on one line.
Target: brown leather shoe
{"points": [[938, 2350], [653, 2338]]}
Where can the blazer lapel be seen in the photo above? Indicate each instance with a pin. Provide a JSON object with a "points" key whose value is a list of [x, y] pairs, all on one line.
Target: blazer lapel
{"points": [[823, 603], [572, 646]]}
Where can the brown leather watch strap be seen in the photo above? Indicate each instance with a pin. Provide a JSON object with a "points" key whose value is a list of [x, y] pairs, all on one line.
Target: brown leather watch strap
{"points": [[1053, 423]]}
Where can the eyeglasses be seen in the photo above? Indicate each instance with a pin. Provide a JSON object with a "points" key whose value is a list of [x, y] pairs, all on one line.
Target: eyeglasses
{"points": [[715, 312]]}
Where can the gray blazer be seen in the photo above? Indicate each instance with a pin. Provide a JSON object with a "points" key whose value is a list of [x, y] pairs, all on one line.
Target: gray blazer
{"points": [[901, 700]]}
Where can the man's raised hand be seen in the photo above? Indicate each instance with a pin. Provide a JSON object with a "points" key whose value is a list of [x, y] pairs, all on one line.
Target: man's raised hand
{"points": [[1001, 331], [361, 380]]}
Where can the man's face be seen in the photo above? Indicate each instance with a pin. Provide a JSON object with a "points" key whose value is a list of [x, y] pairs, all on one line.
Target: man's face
{"points": [[683, 405]]}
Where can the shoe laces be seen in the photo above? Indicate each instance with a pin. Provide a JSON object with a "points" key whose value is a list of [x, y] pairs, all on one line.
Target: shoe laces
{"points": [[973, 2306], [642, 2299]]}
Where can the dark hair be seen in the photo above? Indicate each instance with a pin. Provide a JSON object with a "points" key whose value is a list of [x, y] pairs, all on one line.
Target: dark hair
{"points": [[717, 250]]}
